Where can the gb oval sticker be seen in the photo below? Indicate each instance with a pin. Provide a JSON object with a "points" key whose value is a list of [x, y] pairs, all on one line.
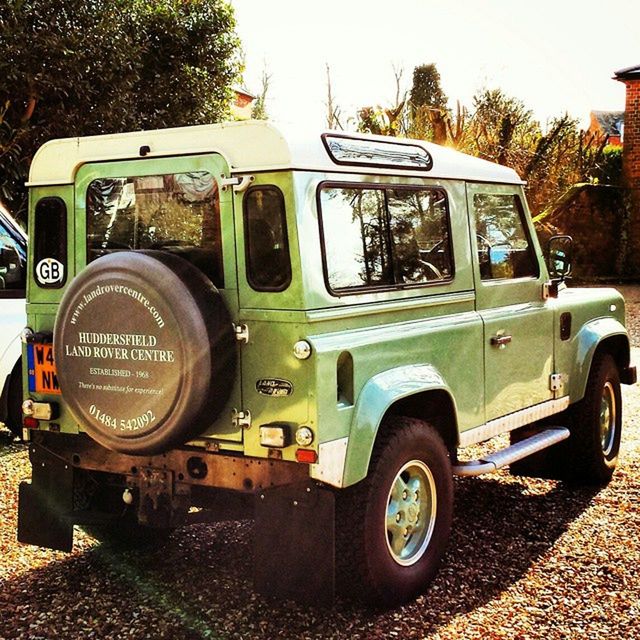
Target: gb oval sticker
{"points": [[275, 387], [49, 271]]}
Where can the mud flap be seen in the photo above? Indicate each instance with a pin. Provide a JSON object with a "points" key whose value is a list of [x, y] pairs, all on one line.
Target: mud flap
{"points": [[294, 543], [45, 502]]}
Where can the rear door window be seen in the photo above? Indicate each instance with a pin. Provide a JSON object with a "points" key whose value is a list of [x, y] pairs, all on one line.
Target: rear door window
{"points": [[178, 213]]}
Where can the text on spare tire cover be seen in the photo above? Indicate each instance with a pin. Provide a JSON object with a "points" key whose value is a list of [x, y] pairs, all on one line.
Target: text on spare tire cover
{"points": [[125, 356]]}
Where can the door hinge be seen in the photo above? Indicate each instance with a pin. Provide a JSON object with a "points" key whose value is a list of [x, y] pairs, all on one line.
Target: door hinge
{"points": [[238, 183], [556, 381], [242, 332], [241, 419]]}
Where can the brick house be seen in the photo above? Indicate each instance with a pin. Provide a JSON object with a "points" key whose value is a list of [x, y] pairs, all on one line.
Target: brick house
{"points": [[609, 124], [631, 168], [242, 104], [631, 155]]}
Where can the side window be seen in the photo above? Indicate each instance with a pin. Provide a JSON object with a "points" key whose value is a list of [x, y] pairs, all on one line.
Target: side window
{"points": [[266, 244], [50, 243], [504, 248], [420, 232], [375, 237], [12, 263], [356, 238], [178, 213]]}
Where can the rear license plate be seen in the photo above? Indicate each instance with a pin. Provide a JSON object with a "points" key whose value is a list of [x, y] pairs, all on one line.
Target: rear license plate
{"points": [[43, 377]]}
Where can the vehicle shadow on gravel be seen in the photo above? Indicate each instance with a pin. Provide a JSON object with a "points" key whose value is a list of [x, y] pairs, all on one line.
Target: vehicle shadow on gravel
{"points": [[8, 442], [198, 585]]}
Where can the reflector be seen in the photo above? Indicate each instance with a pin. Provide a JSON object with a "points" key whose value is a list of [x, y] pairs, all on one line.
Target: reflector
{"points": [[309, 456]]}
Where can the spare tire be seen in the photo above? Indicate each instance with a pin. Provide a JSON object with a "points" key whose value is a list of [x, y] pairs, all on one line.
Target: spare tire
{"points": [[145, 351]]}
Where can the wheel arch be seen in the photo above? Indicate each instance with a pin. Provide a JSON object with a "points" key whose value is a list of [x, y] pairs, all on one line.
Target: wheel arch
{"points": [[415, 391], [10, 365], [605, 335]]}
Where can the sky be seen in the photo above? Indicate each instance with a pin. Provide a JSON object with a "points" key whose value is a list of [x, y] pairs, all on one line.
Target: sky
{"points": [[556, 56]]}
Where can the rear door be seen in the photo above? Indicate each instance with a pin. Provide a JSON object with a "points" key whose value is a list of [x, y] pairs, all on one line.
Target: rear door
{"points": [[175, 205], [518, 322]]}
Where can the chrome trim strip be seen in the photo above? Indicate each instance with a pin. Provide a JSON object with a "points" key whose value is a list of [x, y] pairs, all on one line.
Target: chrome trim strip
{"points": [[513, 421]]}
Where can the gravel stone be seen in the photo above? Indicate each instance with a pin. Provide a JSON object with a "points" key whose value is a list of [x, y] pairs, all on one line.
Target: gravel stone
{"points": [[528, 559]]}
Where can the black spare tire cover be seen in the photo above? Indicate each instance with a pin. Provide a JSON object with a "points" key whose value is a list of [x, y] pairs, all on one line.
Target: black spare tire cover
{"points": [[145, 351]]}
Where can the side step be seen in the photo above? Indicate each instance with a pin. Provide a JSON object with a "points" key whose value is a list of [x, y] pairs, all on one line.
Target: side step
{"points": [[515, 452]]}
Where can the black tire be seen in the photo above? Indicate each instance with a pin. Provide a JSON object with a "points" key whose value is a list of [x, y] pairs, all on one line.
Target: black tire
{"points": [[163, 366], [14, 401], [376, 562], [596, 425]]}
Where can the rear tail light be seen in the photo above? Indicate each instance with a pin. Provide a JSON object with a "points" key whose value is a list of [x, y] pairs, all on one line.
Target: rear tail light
{"points": [[309, 456], [31, 423]]}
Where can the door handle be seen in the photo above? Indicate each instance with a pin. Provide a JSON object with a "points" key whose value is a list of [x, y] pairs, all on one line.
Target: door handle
{"points": [[500, 341]]}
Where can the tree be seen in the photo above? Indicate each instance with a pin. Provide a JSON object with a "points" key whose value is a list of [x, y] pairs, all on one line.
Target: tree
{"points": [[499, 128], [503, 129], [427, 90], [333, 110], [259, 109], [386, 121], [428, 111], [74, 67]]}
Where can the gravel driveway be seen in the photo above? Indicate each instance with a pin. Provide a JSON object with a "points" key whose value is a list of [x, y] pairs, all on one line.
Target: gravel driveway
{"points": [[527, 559]]}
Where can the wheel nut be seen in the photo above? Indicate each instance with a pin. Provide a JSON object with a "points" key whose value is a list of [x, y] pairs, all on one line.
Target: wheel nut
{"points": [[398, 517], [405, 494]]}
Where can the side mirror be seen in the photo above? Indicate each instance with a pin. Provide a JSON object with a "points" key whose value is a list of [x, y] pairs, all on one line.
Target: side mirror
{"points": [[560, 254]]}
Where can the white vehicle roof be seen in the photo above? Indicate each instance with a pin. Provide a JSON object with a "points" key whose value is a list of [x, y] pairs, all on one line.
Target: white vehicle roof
{"points": [[257, 145]]}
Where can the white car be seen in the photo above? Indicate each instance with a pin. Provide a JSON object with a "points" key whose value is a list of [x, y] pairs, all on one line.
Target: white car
{"points": [[13, 260]]}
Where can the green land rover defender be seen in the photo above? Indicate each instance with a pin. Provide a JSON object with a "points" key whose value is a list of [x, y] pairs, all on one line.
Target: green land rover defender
{"points": [[240, 320]]}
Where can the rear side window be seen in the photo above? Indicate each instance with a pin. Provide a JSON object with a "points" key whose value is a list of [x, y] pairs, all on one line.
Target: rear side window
{"points": [[178, 213], [376, 237], [266, 244], [50, 252]]}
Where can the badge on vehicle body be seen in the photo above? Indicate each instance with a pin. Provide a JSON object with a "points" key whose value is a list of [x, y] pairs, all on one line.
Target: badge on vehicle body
{"points": [[275, 387], [49, 271]]}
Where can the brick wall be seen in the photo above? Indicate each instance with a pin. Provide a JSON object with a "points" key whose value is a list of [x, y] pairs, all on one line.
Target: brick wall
{"points": [[631, 170], [631, 154], [597, 218]]}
